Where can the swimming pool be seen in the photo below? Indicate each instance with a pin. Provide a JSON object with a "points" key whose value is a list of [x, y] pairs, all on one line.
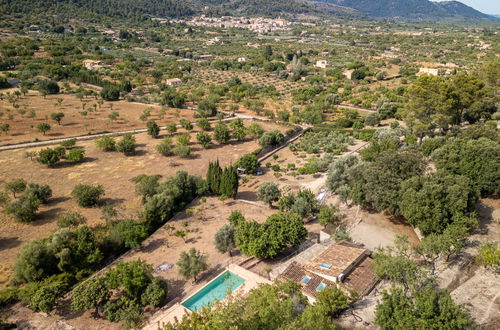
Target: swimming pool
{"points": [[218, 289]]}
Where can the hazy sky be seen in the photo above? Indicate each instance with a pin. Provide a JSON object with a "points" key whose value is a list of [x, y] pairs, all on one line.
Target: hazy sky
{"points": [[485, 6]]}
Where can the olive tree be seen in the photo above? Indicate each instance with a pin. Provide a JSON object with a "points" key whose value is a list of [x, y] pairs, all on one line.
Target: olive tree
{"points": [[269, 192]]}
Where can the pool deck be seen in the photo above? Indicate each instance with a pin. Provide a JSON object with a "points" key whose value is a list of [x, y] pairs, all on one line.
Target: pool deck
{"points": [[177, 311]]}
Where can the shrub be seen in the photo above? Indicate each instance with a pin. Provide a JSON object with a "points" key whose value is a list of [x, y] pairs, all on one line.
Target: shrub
{"points": [[25, 208], [75, 155], [68, 144], [204, 139], [271, 138], [182, 150], [204, 124], [50, 156], [126, 145], [153, 129], [110, 93], [70, 219], [106, 143], [16, 186], [165, 147], [249, 162], [87, 195], [155, 293], [221, 133], [186, 124], [42, 192], [372, 119], [127, 234]]}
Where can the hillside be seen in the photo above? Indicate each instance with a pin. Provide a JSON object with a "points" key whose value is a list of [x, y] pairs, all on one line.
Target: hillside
{"points": [[413, 10], [19, 13]]}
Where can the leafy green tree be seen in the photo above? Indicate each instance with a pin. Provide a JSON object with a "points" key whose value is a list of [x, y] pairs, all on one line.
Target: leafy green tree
{"points": [[70, 219], [34, 262], [43, 128], [106, 143], [133, 276], [127, 234], [207, 108], [224, 239], [449, 242], [204, 124], [376, 185], [328, 215], [75, 155], [110, 93], [165, 147], [433, 202], [303, 203], [430, 308], [16, 186], [146, 185], [475, 159], [155, 293], [182, 150], [126, 145], [255, 130], [192, 263], [57, 116], [41, 191], [280, 231], [25, 208], [204, 139], [68, 144], [269, 192], [398, 268], [90, 294], [249, 162], [171, 128], [183, 139], [222, 133], [271, 139], [332, 301], [186, 124], [153, 129], [87, 195], [50, 156], [48, 87]]}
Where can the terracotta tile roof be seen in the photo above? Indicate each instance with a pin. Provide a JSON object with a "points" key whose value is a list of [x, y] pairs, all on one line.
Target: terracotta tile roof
{"points": [[296, 273], [362, 279], [339, 257]]}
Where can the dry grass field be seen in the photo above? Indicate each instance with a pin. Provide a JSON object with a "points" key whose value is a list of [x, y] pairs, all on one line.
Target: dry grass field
{"points": [[75, 121], [113, 170]]}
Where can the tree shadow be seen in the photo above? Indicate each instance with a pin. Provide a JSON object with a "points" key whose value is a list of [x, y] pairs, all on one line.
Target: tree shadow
{"points": [[46, 216], [57, 200], [175, 289], [485, 217], [247, 195], [7, 243], [139, 153], [193, 240], [153, 245], [54, 134], [111, 201]]}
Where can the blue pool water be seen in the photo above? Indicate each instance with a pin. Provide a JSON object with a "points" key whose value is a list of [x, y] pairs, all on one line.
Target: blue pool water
{"points": [[219, 288]]}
